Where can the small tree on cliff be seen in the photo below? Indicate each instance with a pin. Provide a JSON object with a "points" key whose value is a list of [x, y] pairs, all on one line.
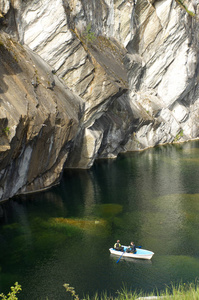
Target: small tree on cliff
{"points": [[89, 34]]}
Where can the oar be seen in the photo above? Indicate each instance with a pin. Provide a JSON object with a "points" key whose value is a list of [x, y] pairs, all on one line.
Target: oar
{"points": [[123, 253], [119, 258]]}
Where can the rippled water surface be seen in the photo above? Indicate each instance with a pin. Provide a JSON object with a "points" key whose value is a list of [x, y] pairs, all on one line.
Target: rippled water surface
{"points": [[63, 235]]}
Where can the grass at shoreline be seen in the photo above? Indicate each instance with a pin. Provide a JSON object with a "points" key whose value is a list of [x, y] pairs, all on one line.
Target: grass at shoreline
{"points": [[180, 292]]}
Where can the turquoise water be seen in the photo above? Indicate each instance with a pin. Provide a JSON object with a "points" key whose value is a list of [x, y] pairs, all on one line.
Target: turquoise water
{"points": [[63, 235]]}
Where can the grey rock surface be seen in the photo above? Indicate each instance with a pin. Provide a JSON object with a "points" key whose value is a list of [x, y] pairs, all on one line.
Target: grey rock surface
{"points": [[105, 77]]}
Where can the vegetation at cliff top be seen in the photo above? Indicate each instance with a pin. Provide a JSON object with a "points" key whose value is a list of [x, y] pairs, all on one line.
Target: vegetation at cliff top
{"points": [[181, 292]]}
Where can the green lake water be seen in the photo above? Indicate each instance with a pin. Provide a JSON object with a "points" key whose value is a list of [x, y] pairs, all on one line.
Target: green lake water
{"points": [[63, 235]]}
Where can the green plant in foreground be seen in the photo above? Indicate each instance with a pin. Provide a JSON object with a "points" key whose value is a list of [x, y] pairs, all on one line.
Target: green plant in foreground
{"points": [[181, 292], [71, 290], [12, 295]]}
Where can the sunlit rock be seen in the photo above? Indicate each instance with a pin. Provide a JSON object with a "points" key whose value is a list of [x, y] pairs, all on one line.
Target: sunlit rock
{"points": [[107, 77], [36, 124], [4, 6]]}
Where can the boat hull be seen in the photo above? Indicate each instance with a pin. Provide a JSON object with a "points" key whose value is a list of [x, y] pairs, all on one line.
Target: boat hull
{"points": [[140, 253]]}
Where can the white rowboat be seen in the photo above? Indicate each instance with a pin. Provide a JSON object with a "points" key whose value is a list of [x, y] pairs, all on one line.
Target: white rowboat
{"points": [[140, 253]]}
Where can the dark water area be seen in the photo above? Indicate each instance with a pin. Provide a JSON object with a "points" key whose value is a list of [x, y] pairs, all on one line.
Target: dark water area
{"points": [[63, 235]]}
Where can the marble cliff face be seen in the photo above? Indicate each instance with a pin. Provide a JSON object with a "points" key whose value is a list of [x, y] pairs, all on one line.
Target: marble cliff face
{"points": [[88, 79]]}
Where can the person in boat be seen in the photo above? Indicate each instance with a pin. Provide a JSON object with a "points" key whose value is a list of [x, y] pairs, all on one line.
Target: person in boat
{"points": [[131, 248], [118, 246]]}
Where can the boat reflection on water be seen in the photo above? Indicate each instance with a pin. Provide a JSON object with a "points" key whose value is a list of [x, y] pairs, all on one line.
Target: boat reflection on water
{"points": [[132, 260]]}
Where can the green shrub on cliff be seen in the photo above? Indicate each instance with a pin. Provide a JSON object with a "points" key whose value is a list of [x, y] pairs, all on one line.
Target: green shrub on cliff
{"points": [[6, 130], [89, 34]]}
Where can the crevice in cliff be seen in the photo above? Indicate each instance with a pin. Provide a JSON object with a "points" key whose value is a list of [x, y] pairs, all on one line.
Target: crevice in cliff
{"points": [[91, 77]]}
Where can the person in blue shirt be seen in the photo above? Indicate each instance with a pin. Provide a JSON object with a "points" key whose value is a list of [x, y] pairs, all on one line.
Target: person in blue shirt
{"points": [[131, 248]]}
